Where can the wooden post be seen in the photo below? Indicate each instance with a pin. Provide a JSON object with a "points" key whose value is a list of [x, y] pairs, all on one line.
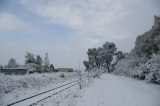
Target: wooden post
{"points": [[80, 77], [88, 77], [80, 80]]}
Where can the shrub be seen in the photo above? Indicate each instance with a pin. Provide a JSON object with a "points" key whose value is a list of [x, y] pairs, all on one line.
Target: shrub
{"points": [[62, 75], [153, 69]]}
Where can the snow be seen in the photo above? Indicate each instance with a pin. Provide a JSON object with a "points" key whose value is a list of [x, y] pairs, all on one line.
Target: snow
{"points": [[66, 98], [40, 97], [14, 88], [141, 68], [107, 90], [111, 90]]}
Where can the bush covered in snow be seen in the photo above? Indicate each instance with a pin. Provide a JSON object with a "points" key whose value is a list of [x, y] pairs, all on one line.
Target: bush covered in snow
{"points": [[153, 69], [132, 67], [126, 66], [62, 75]]}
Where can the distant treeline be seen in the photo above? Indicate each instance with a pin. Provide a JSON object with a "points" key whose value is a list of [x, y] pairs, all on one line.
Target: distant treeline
{"points": [[34, 63]]}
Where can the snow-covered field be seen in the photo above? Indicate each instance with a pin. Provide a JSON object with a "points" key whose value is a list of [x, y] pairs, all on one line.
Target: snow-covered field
{"points": [[13, 88], [108, 90], [111, 90]]}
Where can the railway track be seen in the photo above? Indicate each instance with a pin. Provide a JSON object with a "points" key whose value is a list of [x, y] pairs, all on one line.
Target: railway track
{"points": [[35, 99], [32, 100]]}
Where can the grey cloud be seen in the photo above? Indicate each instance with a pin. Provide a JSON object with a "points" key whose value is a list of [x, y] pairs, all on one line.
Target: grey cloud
{"points": [[93, 22]]}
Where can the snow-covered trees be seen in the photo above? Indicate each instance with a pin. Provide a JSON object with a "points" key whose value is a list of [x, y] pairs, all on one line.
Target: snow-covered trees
{"points": [[149, 43], [46, 63], [135, 67], [119, 55], [38, 63], [152, 69], [127, 66], [39, 60], [144, 60], [86, 64], [33, 64], [12, 63], [29, 58], [106, 54], [148, 46], [46, 60], [92, 57], [101, 57]]}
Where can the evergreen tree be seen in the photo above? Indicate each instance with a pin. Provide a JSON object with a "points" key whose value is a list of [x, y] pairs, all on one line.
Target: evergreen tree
{"points": [[39, 60], [12, 63]]}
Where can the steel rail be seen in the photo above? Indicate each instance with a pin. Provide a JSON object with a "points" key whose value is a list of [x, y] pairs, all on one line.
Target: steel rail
{"points": [[40, 93], [53, 94]]}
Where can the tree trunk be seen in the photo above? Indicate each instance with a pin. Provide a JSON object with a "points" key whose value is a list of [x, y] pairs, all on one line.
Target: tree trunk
{"points": [[108, 68]]}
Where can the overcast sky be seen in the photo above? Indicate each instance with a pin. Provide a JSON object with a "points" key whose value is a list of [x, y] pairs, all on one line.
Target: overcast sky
{"points": [[67, 28]]}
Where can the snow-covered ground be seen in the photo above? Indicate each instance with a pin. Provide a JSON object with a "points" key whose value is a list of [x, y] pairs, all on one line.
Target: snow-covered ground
{"points": [[111, 90], [67, 98], [108, 90], [13, 88]]}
